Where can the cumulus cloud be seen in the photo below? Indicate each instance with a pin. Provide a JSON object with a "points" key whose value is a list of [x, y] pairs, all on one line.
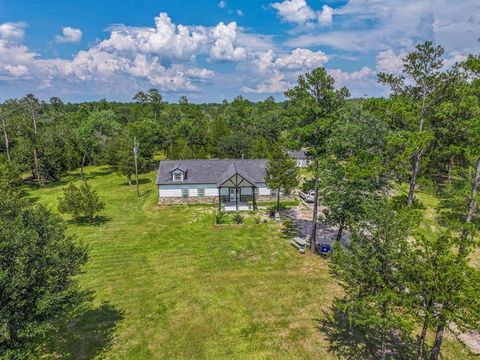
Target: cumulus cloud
{"points": [[360, 82], [325, 17], [164, 56], [275, 73], [224, 44], [300, 13], [12, 31], [375, 25], [301, 59], [294, 11], [389, 62], [69, 35]]}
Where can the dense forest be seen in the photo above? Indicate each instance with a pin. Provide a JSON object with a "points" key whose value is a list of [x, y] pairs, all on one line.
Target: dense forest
{"points": [[425, 135]]}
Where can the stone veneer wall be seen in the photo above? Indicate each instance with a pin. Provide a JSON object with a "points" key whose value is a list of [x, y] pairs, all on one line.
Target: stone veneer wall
{"points": [[211, 199]]}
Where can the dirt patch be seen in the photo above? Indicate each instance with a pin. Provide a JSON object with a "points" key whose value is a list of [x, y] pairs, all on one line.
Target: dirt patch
{"points": [[302, 214], [470, 339]]}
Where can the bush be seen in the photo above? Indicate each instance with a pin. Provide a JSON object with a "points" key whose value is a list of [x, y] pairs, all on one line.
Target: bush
{"points": [[238, 219], [79, 201], [219, 217]]}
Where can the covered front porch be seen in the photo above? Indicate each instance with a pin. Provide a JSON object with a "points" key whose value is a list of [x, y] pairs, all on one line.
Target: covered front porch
{"points": [[236, 191]]}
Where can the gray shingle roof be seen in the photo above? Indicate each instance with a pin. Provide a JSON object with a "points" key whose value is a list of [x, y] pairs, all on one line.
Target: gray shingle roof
{"points": [[212, 171]]}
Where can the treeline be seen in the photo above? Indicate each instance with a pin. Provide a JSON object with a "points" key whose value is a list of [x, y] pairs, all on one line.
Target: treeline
{"points": [[46, 139]]}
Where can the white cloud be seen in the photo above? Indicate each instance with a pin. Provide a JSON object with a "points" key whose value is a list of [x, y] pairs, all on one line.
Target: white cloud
{"points": [[272, 85], [301, 59], [389, 62], [239, 12], [222, 4], [361, 82], [163, 56], [17, 70], [301, 14], [294, 11], [273, 73], [325, 16], [370, 26], [12, 31], [69, 35], [224, 43]]}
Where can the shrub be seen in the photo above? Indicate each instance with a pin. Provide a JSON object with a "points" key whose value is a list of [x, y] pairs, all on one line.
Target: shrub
{"points": [[79, 201], [219, 217], [238, 219]]}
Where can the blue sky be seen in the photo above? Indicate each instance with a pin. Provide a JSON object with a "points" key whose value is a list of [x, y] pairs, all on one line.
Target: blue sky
{"points": [[215, 50]]}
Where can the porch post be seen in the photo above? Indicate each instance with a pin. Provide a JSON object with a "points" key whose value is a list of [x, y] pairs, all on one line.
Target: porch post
{"points": [[219, 201], [254, 202], [237, 194]]}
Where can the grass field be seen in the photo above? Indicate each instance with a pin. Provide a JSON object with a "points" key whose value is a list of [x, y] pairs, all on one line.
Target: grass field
{"points": [[166, 283]]}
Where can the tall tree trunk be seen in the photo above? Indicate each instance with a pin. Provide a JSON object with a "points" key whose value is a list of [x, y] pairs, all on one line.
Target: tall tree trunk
{"points": [[438, 342], [5, 138], [278, 200], [129, 180], [421, 340], [340, 231], [313, 236], [470, 207], [35, 151], [413, 178], [83, 163], [419, 153], [36, 165]]}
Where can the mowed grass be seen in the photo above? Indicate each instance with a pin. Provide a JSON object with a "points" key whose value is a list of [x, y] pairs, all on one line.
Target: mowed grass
{"points": [[166, 283]]}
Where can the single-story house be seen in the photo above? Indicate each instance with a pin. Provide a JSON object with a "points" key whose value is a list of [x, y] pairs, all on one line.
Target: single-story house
{"points": [[232, 184], [301, 157]]}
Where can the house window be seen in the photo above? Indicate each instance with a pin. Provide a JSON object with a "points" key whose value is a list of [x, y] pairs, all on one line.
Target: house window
{"points": [[185, 193], [201, 192], [177, 176]]}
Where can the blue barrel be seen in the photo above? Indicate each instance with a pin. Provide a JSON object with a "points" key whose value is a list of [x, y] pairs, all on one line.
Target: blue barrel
{"points": [[325, 249]]}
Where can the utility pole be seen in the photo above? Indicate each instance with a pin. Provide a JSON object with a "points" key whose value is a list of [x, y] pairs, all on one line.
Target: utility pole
{"points": [[135, 152]]}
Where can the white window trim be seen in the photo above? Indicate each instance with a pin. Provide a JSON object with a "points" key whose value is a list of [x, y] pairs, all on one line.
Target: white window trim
{"points": [[175, 174]]}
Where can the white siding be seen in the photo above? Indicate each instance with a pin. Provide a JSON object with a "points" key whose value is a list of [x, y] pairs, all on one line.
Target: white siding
{"points": [[175, 190], [263, 189]]}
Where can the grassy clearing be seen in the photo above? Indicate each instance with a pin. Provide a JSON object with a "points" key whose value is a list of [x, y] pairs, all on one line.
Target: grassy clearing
{"points": [[166, 283]]}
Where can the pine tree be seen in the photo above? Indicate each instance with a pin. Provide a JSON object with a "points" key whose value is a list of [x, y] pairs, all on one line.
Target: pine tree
{"points": [[282, 173], [368, 272], [90, 201], [71, 203]]}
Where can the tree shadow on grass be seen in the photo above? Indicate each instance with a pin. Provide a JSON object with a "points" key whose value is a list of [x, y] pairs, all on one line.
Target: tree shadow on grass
{"points": [[361, 342], [87, 334]]}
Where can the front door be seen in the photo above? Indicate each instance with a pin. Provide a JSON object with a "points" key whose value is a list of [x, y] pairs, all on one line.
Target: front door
{"points": [[233, 193]]}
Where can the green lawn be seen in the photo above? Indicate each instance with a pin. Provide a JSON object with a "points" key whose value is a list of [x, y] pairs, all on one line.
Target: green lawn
{"points": [[166, 283]]}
